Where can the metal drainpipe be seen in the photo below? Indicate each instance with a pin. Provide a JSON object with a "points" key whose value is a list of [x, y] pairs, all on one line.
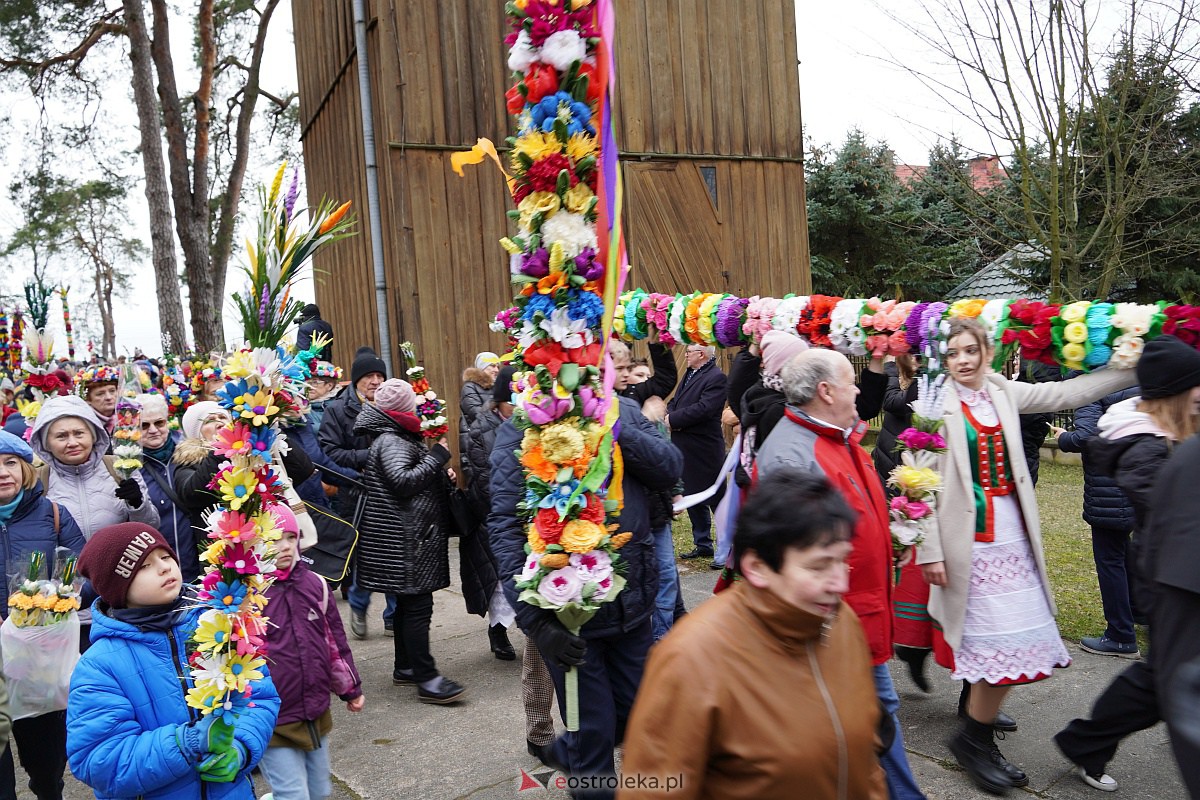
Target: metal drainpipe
{"points": [[374, 220]]}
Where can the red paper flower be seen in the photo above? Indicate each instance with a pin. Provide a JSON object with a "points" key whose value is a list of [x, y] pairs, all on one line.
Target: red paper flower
{"points": [[553, 356], [543, 175], [594, 511], [549, 526]]}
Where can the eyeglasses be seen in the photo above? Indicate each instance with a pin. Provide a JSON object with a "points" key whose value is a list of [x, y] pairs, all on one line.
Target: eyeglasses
{"points": [[158, 423]]}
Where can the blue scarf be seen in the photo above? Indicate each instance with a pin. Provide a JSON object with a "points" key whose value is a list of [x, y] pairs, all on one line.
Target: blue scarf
{"points": [[165, 452], [8, 509]]}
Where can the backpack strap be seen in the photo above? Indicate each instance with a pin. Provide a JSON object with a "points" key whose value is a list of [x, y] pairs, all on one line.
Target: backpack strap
{"points": [[57, 524], [43, 473]]}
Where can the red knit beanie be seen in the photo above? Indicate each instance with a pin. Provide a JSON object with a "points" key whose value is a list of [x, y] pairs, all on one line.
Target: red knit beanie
{"points": [[113, 556]]}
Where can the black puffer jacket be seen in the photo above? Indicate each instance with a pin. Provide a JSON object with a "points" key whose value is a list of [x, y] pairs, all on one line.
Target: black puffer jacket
{"points": [[477, 567], [1104, 504], [337, 436], [651, 463], [403, 536], [1129, 450], [472, 399], [897, 418]]}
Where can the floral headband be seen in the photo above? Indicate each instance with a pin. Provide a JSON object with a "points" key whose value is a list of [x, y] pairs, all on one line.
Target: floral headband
{"points": [[101, 373]]}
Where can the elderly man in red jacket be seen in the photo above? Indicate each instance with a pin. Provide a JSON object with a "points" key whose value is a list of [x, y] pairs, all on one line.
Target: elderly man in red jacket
{"points": [[820, 432]]}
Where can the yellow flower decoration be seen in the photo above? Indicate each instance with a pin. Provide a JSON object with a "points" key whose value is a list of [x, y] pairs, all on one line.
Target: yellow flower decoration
{"points": [[65, 605], [236, 487], [915, 481], [1075, 312], [258, 408], [555, 560], [267, 527], [20, 601], [536, 145], [578, 198], [511, 247], [535, 540], [1073, 354], [544, 203], [581, 536], [620, 540], [213, 632], [1075, 332], [579, 146], [561, 443], [968, 307], [243, 669], [214, 552], [205, 696], [240, 365]]}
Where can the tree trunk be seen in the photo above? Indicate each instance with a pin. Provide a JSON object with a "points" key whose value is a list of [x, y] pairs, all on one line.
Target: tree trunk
{"points": [[191, 210], [104, 289], [162, 242], [227, 213]]}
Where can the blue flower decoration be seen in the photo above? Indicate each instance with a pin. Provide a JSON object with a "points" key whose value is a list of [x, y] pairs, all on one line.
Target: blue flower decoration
{"points": [[232, 706], [585, 306], [227, 395], [261, 440], [561, 105], [538, 304], [227, 596], [560, 498]]}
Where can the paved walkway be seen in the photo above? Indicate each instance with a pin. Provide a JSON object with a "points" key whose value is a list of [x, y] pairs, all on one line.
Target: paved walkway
{"points": [[400, 748]]}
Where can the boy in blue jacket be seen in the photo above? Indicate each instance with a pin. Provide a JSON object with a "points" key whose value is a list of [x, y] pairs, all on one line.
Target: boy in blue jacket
{"points": [[130, 732]]}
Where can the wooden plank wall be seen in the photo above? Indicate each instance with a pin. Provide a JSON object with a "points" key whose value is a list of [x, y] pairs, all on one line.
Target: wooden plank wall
{"points": [[702, 83]]}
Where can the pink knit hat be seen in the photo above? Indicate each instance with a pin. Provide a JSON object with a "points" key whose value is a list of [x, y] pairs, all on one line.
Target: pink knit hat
{"points": [[396, 395], [778, 348]]}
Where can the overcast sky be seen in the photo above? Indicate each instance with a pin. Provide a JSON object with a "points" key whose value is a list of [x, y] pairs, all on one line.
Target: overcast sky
{"points": [[843, 83]]}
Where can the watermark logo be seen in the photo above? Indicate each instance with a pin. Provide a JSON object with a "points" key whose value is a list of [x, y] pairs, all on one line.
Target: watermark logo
{"points": [[534, 781]]}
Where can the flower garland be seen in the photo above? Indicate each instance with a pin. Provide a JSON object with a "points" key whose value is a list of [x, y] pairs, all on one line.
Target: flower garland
{"points": [[264, 386], [66, 312], [15, 336], [431, 409], [561, 260]]}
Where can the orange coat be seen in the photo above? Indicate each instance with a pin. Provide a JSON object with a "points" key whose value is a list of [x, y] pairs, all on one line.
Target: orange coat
{"points": [[745, 698]]}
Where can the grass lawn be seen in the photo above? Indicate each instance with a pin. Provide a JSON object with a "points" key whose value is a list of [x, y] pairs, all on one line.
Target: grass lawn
{"points": [[1068, 545]]}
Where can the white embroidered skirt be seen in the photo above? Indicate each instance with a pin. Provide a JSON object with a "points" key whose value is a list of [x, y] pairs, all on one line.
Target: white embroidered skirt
{"points": [[1009, 634]]}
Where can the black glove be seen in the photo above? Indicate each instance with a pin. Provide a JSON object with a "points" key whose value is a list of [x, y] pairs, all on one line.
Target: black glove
{"points": [[556, 644], [129, 491]]}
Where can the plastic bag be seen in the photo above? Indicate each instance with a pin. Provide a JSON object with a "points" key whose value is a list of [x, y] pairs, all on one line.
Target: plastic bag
{"points": [[38, 662]]}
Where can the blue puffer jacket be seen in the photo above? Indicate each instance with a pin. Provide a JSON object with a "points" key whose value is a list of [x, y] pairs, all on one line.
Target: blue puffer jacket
{"points": [[127, 697], [651, 463], [1104, 504], [30, 529]]}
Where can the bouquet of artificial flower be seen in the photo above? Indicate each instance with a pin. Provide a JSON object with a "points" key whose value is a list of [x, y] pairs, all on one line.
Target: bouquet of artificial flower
{"points": [[127, 438], [40, 638]]}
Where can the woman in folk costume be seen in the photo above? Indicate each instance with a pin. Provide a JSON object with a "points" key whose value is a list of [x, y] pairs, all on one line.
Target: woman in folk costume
{"points": [[983, 558]]}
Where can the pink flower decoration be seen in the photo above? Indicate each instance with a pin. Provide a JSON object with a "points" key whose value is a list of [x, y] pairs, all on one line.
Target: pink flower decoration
{"points": [[235, 441], [241, 559], [233, 527]]}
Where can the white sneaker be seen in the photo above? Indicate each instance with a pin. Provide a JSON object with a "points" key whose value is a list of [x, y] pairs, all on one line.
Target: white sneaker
{"points": [[1104, 782]]}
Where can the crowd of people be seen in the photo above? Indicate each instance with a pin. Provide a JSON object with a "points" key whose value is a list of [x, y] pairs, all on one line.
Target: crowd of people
{"points": [[781, 679]]}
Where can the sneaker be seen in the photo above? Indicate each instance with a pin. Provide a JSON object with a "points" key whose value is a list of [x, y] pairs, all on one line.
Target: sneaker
{"points": [[1103, 781], [1104, 646], [358, 624], [388, 628], [447, 692]]}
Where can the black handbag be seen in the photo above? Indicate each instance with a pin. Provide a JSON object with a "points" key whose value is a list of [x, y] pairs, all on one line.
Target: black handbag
{"points": [[463, 520], [336, 540]]}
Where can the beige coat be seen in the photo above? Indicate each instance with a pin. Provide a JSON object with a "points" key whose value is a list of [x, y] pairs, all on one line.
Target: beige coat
{"points": [[953, 534]]}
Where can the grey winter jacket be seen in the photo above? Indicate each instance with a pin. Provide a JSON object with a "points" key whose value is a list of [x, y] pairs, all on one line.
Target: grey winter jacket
{"points": [[87, 490], [402, 545]]}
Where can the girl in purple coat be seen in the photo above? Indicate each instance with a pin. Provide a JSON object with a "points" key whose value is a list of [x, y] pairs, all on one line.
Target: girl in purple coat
{"points": [[304, 634]]}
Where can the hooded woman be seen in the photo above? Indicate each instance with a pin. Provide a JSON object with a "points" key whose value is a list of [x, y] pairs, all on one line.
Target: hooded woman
{"points": [[71, 439], [476, 390]]}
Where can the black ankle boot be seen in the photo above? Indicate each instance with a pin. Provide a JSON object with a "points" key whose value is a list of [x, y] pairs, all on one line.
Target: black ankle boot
{"points": [[972, 748], [1014, 773], [915, 658], [1003, 721], [501, 647]]}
